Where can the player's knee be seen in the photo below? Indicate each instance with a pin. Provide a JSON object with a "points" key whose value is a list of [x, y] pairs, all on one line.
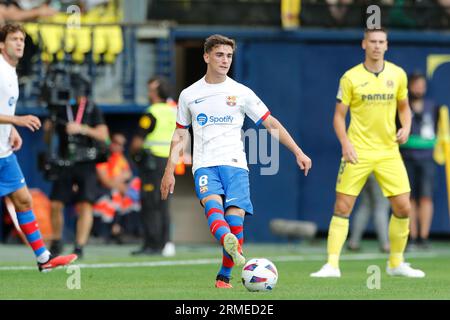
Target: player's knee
{"points": [[214, 197], [402, 210], [342, 208], [23, 202], [235, 211]]}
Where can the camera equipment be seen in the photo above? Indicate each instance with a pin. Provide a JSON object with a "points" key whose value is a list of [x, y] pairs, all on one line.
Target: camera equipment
{"points": [[63, 88], [63, 84]]}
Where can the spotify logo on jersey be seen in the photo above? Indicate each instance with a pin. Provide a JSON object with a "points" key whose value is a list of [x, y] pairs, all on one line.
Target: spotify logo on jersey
{"points": [[202, 119]]}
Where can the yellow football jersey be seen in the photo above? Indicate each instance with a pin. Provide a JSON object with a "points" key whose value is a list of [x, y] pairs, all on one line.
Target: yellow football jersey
{"points": [[372, 101]]}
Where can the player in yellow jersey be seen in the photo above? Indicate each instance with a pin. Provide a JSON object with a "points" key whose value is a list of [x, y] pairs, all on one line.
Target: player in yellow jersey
{"points": [[373, 91]]}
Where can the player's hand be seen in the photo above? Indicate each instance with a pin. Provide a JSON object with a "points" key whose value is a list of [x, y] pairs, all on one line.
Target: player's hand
{"points": [[167, 185], [31, 122], [15, 140], [304, 162], [349, 153], [402, 135]]}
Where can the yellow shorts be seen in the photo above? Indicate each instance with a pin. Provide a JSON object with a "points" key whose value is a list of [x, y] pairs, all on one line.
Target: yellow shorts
{"points": [[389, 170]]}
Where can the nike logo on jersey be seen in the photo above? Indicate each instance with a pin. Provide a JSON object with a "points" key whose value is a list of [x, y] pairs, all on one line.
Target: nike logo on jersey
{"points": [[22, 180], [363, 84], [229, 200], [199, 100]]}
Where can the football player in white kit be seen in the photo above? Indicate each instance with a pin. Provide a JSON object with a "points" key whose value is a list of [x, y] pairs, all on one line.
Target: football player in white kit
{"points": [[12, 181], [215, 107]]}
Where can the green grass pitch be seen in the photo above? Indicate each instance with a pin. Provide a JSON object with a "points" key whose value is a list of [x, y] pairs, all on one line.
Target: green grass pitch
{"points": [[109, 272]]}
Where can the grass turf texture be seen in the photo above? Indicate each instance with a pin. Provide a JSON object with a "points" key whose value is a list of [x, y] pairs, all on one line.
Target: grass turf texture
{"points": [[109, 272]]}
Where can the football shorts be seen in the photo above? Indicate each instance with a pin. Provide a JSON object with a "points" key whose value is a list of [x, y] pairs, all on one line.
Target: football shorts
{"points": [[388, 169], [231, 183]]}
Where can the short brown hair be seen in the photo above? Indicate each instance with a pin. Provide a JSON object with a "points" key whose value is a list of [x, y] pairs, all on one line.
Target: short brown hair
{"points": [[10, 28], [217, 40], [370, 30]]}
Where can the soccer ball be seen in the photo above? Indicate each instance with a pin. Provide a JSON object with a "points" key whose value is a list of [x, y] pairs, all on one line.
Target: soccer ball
{"points": [[259, 275]]}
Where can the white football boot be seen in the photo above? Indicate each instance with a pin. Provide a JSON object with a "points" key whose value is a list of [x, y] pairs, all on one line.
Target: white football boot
{"points": [[405, 270], [327, 271]]}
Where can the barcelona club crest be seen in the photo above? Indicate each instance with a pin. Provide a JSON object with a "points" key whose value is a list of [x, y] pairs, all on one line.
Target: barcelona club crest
{"points": [[231, 101]]}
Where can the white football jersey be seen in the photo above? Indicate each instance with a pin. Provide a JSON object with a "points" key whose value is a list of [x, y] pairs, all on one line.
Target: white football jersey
{"points": [[216, 113], [9, 94]]}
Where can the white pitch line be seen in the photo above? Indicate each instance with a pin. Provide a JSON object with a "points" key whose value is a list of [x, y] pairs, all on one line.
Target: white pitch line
{"points": [[362, 256]]}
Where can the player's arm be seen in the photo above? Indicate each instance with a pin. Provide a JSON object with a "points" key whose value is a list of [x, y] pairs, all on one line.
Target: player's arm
{"points": [[277, 130], [178, 144], [31, 122], [404, 115], [348, 152]]}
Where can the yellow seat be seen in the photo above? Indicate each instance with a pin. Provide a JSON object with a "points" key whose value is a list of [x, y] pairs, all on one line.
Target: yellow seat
{"points": [[32, 30], [82, 43], [114, 34], [115, 43], [52, 37], [99, 44]]}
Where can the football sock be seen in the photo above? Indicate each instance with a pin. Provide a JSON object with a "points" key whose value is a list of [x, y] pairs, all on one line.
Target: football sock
{"points": [[398, 237], [337, 234], [236, 224], [30, 228], [216, 221]]}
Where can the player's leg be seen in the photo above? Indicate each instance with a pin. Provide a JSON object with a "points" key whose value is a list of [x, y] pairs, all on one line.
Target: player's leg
{"points": [[209, 189], [380, 216], [338, 230], [350, 181], [237, 205], [361, 217], [214, 212], [27, 221], [235, 219], [220, 229], [399, 227], [398, 237], [337, 234], [393, 179]]}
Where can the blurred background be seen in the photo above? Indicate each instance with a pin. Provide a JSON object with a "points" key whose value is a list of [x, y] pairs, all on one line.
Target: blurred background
{"points": [[291, 53]]}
